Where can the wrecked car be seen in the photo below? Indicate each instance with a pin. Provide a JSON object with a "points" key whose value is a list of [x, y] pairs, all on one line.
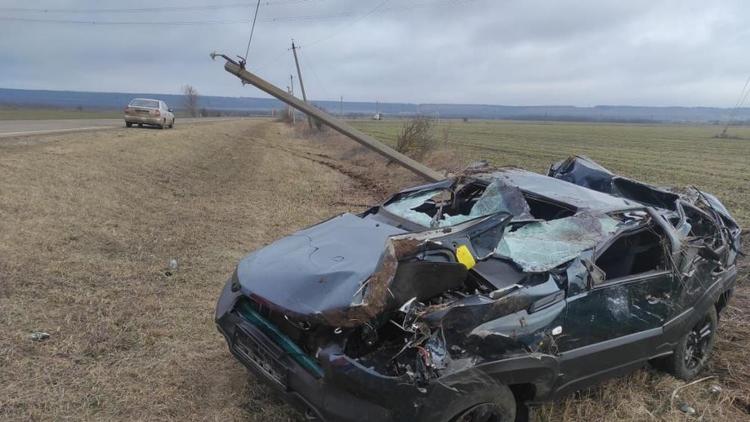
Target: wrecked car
{"points": [[469, 298]]}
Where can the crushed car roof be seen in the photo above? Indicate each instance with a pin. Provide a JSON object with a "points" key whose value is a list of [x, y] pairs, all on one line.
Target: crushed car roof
{"points": [[582, 198]]}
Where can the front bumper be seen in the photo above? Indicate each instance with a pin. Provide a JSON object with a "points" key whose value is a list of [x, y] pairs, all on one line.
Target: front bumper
{"points": [[346, 391]]}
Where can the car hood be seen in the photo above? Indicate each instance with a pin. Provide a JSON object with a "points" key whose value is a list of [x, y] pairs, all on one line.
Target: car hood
{"points": [[316, 270]]}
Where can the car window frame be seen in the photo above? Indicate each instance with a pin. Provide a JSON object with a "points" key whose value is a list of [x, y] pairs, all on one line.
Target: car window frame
{"points": [[630, 278]]}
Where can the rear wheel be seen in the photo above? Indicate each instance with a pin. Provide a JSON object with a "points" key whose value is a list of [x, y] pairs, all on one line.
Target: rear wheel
{"points": [[140, 124], [163, 124], [128, 124], [171, 125], [694, 348]]}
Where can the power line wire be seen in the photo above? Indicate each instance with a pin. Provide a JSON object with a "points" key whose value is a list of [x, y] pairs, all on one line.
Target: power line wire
{"points": [[81, 21], [338, 31], [377, 9], [149, 9], [740, 102], [252, 29], [321, 87], [96, 22]]}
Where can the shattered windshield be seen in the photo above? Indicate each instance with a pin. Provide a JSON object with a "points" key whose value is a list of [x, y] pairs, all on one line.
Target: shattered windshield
{"points": [[543, 245], [442, 208]]}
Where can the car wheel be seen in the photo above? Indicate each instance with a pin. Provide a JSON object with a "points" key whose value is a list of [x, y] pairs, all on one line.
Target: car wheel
{"points": [[486, 412], [171, 125], [140, 124], [694, 348], [489, 402], [163, 124], [128, 124]]}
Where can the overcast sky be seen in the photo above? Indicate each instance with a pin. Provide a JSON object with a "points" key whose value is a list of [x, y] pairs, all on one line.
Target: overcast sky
{"points": [[508, 52]]}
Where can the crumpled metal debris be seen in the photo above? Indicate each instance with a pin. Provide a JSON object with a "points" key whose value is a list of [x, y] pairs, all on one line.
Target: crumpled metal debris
{"points": [[687, 409], [39, 336]]}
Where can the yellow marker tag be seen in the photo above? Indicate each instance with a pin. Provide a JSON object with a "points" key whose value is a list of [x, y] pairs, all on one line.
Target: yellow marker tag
{"points": [[464, 256]]}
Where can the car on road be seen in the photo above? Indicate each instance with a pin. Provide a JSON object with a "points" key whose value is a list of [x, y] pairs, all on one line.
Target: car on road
{"points": [[472, 297], [147, 111]]}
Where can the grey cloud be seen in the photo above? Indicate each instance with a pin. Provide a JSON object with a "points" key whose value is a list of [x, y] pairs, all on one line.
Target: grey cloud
{"points": [[471, 51]]}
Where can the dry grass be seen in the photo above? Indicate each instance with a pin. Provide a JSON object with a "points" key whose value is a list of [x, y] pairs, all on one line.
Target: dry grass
{"points": [[88, 223]]}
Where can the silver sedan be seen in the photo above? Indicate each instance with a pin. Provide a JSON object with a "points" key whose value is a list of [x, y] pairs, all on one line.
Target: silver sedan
{"points": [[145, 111]]}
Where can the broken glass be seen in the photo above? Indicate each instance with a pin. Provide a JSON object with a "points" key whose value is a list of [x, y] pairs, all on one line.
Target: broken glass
{"points": [[542, 245], [497, 197], [405, 207]]}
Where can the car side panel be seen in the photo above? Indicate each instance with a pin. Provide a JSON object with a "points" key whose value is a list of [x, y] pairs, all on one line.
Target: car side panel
{"points": [[614, 326], [640, 346]]}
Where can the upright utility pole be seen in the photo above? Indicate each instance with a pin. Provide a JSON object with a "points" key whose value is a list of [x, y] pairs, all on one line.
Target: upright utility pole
{"points": [[301, 84], [291, 92]]}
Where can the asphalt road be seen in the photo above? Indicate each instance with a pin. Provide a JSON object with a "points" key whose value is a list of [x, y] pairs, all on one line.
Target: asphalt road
{"points": [[10, 128]]}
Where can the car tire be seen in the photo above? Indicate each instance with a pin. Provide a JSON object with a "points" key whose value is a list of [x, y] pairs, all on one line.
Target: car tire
{"points": [[499, 406], [163, 124], [484, 401], [694, 348], [128, 124], [171, 125], [140, 124]]}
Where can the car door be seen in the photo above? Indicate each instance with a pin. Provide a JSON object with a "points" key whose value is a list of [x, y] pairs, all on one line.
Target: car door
{"points": [[616, 322]]}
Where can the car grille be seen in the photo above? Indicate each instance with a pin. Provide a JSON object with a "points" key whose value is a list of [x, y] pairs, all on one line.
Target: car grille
{"points": [[250, 313], [252, 351]]}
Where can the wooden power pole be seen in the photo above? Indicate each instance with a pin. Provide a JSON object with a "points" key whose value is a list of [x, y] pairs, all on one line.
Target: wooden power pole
{"points": [[301, 84]]}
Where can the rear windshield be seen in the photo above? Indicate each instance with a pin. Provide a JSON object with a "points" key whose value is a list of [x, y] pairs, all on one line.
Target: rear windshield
{"points": [[144, 103]]}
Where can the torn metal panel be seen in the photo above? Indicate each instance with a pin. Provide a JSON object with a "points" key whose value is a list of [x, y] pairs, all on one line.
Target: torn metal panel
{"points": [[568, 193], [583, 171]]}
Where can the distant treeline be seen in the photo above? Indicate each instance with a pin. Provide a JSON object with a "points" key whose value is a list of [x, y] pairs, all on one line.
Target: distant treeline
{"points": [[213, 105]]}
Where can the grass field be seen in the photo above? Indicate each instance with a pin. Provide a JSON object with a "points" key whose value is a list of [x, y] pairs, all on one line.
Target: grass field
{"points": [[89, 222], [663, 154]]}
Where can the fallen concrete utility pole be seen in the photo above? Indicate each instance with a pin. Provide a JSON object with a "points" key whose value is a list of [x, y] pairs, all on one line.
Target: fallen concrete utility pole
{"points": [[238, 69]]}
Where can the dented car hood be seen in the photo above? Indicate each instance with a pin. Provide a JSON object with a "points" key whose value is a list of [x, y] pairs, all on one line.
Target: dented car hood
{"points": [[316, 270]]}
